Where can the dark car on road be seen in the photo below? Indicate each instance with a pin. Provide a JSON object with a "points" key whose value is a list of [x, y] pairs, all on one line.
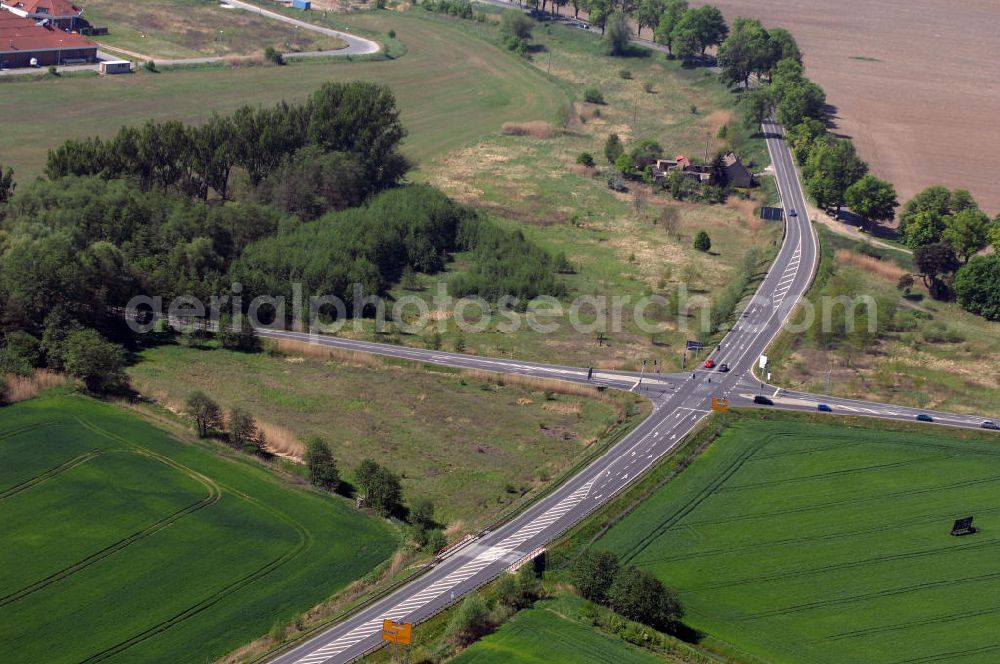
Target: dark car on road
{"points": [[924, 417], [762, 400], [723, 367], [792, 212], [990, 425], [822, 407]]}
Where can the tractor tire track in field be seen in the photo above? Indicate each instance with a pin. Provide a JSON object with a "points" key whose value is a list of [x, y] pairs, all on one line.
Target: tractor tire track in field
{"points": [[935, 620], [305, 541], [831, 474], [24, 429], [888, 592], [848, 501], [851, 564], [49, 474], [822, 537], [690, 505], [211, 498], [950, 656]]}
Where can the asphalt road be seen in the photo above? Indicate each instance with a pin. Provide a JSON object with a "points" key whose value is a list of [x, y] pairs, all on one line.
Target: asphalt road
{"points": [[680, 401]]}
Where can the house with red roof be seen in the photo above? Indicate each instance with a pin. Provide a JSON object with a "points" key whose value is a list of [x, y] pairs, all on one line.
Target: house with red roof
{"points": [[25, 43], [59, 14]]}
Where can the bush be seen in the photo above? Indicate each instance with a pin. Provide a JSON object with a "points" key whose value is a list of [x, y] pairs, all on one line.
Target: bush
{"points": [[273, 55], [625, 74], [702, 242], [392, 34], [20, 354], [53, 71], [585, 159], [613, 148], [616, 34], [470, 621], [98, 362], [149, 65], [593, 95]]}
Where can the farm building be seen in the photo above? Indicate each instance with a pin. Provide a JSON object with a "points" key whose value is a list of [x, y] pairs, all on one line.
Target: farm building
{"points": [[60, 14], [24, 43]]}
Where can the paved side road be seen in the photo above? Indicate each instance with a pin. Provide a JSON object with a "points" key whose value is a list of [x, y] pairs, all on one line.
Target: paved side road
{"points": [[355, 45]]}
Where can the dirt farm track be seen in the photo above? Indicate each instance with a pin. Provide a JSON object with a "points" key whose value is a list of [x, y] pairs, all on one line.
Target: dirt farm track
{"points": [[915, 83]]}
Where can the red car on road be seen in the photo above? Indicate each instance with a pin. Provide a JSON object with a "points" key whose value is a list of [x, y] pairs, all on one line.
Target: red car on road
{"points": [[709, 363]]}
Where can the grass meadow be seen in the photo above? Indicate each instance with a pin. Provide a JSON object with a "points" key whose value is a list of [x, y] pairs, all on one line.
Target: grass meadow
{"points": [[805, 542], [451, 88], [124, 544], [933, 354], [472, 446]]}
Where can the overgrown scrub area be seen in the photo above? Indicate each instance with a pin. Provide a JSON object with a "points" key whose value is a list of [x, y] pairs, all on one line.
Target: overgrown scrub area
{"points": [[898, 345], [761, 536], [127, 544], [473, 445]]}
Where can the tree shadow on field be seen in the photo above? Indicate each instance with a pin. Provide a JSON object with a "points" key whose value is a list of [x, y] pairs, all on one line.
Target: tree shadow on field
{"points": [[832, 121], [686, 633]]}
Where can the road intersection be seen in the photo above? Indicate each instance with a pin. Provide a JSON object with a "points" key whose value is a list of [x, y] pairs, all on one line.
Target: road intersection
{"points": [[680, 402]]}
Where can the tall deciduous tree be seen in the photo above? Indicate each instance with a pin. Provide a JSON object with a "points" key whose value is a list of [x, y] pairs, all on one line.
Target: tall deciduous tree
{"points": [[968, 232], [872, 198], [673, 10], [206, 413], [977, 286], [832, 167], [698, 29], [593, 573], [322, 466], [647, 14]]}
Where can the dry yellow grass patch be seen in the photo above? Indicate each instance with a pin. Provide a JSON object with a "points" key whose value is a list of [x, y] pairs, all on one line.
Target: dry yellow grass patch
{"points": [[572, 408], [884, 269], [746, 208], [534, 129], [537, 384], [22, 388], [279, 440], [295, 348]]}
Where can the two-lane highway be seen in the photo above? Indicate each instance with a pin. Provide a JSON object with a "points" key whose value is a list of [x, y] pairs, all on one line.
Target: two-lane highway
{"points": [[681, 403]]}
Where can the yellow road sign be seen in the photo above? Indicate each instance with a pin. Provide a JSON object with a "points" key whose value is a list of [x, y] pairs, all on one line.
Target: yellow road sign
{"points": [[721, 405], [394, 632]]}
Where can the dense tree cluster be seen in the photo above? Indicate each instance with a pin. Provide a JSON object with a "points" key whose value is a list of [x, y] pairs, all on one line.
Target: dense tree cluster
{"points": [[267, 196], [635, 594], [358, 119]]}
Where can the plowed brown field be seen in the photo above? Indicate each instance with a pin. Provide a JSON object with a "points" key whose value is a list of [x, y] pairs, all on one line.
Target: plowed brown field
{"points": [[915, 83]]}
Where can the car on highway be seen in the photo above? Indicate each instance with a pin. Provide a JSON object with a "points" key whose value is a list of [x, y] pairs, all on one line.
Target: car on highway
{"points": [[924, 417], [709, 363], [792, 212], [762, 400], [723, 367], [822, 407], [990, 425]]}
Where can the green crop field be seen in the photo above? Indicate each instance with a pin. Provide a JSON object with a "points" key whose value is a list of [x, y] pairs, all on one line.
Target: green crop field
{"points": [[805, 542], [552, 633], [124, 544]]}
